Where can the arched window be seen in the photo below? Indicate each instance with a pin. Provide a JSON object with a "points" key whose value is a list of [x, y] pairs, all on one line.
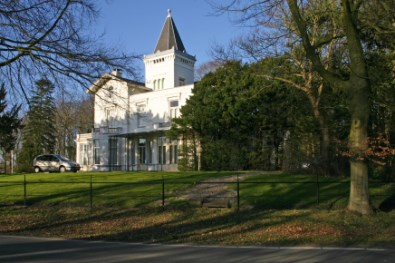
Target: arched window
{"points": [[163, 83], [154, 84]]}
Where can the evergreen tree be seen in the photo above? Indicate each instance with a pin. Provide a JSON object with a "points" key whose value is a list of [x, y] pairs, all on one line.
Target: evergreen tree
{"points": [[10, 123], [239, 118], [39, 134]]}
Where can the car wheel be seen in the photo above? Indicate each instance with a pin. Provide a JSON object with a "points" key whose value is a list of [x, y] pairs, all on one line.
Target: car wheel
{"points": [[62, 169], [36, 169]]}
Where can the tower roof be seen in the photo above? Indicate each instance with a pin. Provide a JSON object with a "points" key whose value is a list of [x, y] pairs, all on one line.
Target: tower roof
{"points": [[169, 37]]}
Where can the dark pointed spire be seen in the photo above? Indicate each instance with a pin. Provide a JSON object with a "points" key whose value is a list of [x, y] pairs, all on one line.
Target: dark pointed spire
{"points": [[169, 36]]}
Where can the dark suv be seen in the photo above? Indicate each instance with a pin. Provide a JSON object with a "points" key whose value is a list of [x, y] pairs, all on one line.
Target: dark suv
{"points": [[54, 163]]}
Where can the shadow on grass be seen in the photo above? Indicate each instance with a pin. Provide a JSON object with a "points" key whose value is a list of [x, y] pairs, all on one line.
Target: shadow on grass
{"points": [[181, 223], [264, 207], [388, 204]]}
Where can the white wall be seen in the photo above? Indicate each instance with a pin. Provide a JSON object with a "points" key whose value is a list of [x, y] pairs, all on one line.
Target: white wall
{"points": [[157, 105], [169, 65], [116, 100]]}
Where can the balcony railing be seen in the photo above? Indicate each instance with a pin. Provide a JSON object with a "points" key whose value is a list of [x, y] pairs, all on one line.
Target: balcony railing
{"points": [[107, 130], [161, 125]]}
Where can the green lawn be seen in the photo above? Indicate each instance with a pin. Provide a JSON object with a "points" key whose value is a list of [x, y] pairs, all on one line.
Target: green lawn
{"points": [[276, 210], [112, 188], [301, 191], [131, 189]]}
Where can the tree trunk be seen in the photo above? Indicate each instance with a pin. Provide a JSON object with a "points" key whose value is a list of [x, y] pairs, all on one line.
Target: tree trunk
{"points": [[359, 200], [324, 165]]}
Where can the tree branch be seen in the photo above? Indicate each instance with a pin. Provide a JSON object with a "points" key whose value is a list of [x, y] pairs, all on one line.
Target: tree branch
{"points": [[310, 50]]}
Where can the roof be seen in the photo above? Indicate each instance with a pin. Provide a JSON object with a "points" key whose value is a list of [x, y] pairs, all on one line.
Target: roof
{"points": [[169, 37], [107, 77]]}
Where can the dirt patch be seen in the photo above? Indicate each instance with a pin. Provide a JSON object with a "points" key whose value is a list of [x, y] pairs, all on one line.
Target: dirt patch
{"points": [[216, 192]]}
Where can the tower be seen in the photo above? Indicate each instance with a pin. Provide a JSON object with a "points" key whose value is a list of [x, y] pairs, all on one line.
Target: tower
{"points": [[170, 65]]}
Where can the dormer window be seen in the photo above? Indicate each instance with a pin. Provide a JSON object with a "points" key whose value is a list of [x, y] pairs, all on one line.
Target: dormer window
{"points": [[181, 81]]}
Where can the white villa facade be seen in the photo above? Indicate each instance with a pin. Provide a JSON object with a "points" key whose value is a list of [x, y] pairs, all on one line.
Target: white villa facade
{"points": [[130, 118]]}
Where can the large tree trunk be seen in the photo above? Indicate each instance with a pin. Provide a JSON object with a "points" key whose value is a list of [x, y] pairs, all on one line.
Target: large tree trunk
{"points": [[359, 200], [359, 92]]}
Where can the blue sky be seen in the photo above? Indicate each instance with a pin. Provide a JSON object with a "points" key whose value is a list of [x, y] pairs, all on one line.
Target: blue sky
{"points": [[135, 25]]}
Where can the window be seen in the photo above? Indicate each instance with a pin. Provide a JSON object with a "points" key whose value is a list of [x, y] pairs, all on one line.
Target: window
{"points": [[133, 152], [181, 81], [173, 154], [141, 116], [142, 145], [113, 145], [173, 109], [110, 91], [159, 84], [96, 152], [110, 116], [84, 158], [162, 154]]}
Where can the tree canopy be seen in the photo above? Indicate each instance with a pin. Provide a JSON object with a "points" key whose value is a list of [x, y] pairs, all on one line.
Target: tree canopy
{"points": [[10, 123], [240, 118]]}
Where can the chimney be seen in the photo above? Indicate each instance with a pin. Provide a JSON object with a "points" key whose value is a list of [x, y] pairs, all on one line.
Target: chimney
{"points": [[117, 72]]}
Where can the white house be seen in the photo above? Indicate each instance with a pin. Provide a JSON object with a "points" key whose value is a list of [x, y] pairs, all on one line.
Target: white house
{"points": [[130, 118]]}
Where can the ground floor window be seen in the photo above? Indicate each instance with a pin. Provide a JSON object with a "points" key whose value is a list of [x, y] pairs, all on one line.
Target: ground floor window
{"points": [[96, 151], [113, 145], [132, 152], [85, 150], [162, 154], [142, 151], [173, 154]]}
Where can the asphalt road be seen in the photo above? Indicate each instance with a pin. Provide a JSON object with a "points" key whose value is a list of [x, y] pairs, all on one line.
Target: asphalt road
{"points": [[28, 249]]}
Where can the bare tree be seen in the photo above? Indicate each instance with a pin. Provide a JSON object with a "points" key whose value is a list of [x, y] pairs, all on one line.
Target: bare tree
{"points": [[206, 68], [51, 38], [72, 116]]}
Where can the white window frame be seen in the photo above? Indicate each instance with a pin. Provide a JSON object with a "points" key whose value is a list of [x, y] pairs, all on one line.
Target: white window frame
{"points": [[174, 109]]}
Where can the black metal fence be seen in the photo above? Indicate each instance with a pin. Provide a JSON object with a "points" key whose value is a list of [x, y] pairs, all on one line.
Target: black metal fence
{"points": [[230, 194]]}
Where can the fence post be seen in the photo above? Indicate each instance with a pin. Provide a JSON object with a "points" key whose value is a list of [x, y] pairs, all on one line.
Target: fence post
{"points": [[163, 193], [318, 190], [91, 193], [238, 193], [24, 190]]}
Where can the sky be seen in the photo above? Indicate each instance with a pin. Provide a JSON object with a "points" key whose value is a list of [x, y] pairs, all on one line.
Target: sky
{"points": [[135, 25]]}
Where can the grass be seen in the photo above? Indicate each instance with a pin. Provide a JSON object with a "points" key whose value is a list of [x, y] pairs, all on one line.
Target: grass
{"points": [[113, 188], [288, 191], [274, 211]]}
